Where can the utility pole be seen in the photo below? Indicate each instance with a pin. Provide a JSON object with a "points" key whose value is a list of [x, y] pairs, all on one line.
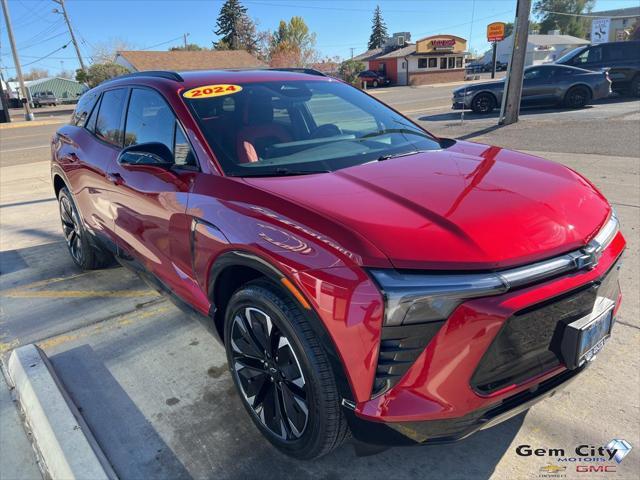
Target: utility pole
{"points": [[510, 108], [73, 37], [28, 116], [185, 40], [493, 60]]}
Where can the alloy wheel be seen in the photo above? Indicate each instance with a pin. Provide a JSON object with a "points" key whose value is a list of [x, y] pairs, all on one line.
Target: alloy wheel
{"points": [[577, 98], [269, 374], [71, 228]]}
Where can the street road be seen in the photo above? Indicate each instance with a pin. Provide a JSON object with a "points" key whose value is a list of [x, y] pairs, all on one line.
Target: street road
{"points": [[153, 385]]}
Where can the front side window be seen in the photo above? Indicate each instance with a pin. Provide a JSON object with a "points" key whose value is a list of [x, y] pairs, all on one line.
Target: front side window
{"points": [[591, 55], [109, 120], [150, 119], [297, 127]]}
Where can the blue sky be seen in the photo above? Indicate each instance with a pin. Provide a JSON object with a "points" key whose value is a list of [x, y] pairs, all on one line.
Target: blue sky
{"points": [[339, 24]]}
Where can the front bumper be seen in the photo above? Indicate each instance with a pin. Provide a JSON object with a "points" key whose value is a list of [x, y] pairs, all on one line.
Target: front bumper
{"points": [[460, 103], [456, 429], [440, 398]]}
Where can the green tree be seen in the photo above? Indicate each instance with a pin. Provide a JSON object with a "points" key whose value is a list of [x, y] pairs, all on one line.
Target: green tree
{"points": [[189, 47], [378, 30], [561, 15], [349, 70], [99, 72], [236, 29], [293, 45]]}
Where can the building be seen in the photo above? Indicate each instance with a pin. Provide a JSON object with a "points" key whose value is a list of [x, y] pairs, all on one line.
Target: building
{"points": [[540, 48], [64, 89], [179, 60], [433, 59], [623, 22]]}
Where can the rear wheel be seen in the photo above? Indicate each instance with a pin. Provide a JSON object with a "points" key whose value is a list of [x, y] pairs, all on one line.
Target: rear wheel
{"points": [[83, 253], [282, 372], [483, 103], [577, 97]]}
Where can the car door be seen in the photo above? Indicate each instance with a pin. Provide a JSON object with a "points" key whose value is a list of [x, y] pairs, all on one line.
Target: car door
{"points": [[88, 153], [537, 88], [150, 211]]}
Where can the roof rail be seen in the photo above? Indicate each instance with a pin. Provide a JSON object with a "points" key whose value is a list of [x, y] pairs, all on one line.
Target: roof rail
{"points": [[169, 75], [308, 71]]}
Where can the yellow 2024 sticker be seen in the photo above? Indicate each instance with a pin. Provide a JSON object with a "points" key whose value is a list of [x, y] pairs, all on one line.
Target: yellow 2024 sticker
{"points": [[208, 91]]}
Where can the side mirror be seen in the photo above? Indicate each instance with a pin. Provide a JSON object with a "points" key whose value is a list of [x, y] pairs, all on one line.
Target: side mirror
{"points": [[152, 154]]}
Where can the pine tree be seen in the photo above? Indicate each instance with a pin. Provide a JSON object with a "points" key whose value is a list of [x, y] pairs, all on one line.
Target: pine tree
{"points": [[235, 27], [378, 30]]}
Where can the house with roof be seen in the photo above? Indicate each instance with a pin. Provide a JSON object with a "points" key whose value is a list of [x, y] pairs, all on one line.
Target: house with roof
{"points": [[179, 60], [430, 60], [540, 48], [65, 90]]}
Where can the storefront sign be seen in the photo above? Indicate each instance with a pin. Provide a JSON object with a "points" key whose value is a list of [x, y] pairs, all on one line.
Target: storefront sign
{"points": [[495, 31], [443, 44]]}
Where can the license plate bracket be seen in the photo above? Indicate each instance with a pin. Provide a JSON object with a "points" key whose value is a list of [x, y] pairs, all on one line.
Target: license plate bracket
{"points": [[584, 338]]}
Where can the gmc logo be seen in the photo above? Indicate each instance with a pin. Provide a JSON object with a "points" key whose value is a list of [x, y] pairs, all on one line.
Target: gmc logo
{"points": [[596, 468]]}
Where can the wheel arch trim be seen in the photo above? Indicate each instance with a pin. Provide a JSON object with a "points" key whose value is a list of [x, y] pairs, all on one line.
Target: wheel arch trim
{"points": [[234, 258]]}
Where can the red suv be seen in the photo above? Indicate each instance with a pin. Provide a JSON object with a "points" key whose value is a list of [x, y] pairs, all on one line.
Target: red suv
{"points": [[362, 274]]}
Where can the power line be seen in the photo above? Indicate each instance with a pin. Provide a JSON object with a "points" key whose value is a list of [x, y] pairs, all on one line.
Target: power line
{"points": [[585, 15], [163, 43], [48, 54]]}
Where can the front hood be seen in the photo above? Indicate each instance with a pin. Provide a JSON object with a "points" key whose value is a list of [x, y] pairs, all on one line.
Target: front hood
{"points": [[478, 86], [470, 206]]}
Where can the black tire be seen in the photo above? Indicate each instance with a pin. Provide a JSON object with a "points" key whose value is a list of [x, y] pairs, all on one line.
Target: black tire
{"points": [[577, 97], [83, 253], [635, 86], [290, 395], [375, 84], [483, 103]]}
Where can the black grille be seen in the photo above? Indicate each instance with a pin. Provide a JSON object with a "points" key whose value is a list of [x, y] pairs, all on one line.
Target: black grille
{"points": [[399, 348], [529, 342]]}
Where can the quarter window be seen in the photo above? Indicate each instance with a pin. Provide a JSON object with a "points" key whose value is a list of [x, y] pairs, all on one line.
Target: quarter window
{"points": [[109, 120], [83, 109]]}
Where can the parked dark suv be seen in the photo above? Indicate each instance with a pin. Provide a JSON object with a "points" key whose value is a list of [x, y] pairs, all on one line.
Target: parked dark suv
{"points": [[621, 58]]}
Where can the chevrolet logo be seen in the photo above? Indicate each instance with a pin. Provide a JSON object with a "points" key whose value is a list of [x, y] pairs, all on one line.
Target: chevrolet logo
{"points": [[552, 469]]}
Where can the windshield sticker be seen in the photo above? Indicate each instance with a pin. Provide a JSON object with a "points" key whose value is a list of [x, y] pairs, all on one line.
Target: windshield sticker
{"points": [[208, 91]]}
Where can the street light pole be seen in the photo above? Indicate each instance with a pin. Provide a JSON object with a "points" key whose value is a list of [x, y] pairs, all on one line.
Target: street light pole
{"points": [[510, 108], [73, 37], [28, 115]]}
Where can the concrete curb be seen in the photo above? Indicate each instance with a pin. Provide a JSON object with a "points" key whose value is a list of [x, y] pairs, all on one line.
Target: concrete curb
{"points": [[34, 123], [61, 436]]}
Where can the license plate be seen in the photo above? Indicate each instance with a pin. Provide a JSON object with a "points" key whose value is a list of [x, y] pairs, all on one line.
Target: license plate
{"points": [[583, 339]]}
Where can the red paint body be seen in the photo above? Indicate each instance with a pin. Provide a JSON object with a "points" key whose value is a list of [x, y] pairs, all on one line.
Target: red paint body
{"points": [[467, 207]]}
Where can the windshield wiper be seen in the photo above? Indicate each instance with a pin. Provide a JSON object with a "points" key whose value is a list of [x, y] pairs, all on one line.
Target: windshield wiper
{"points": [[279, 172], [389, 156]]}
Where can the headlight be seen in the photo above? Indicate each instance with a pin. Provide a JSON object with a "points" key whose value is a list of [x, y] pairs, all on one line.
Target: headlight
{"points": [[427, 297], [419, 298]]}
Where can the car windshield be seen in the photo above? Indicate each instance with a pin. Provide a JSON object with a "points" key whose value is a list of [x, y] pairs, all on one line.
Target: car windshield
{"points": [[569, 55], [299, 127]]}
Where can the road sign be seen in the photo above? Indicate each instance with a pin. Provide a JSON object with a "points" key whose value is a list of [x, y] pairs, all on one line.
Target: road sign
{"points": [[600, 30], [495, 31]]}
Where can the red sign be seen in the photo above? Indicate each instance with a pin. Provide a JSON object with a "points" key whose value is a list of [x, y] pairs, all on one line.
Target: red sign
{"points": [[495, 31], [444, 43]]}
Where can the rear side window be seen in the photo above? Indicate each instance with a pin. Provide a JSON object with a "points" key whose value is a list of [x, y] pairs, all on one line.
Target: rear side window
{"points": [[109, 120], [83, 109]]}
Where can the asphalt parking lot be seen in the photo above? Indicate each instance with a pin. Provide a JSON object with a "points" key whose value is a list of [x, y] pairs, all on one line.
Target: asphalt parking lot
{"points": [[152, 384]]}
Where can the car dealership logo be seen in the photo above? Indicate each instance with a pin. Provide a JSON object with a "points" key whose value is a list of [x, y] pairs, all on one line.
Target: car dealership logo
{"points": [[553, 469], [616, 450]]}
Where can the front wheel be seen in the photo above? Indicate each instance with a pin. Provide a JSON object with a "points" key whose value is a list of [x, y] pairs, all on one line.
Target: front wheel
{"points": [[375, 84], [483, 103], [282, 373], [577, 97], [83, 253]]}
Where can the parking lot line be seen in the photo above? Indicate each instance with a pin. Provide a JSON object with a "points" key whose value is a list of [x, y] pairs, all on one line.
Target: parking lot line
{"points": [[24, 148], [77, 293]]}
